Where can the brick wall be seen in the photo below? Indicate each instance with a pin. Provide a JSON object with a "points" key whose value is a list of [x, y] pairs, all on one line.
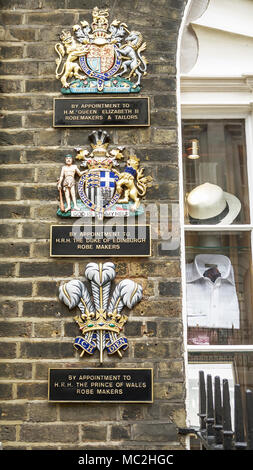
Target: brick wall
{"points": [[36, 330]]}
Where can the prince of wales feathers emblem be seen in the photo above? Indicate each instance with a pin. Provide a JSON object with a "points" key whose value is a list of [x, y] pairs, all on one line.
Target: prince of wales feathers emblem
{"points": [[100, 320], [109, 57], [103, 190]]}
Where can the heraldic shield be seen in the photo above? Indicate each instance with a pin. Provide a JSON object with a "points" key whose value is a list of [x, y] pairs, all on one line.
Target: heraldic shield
{"points": [[100, 59], [97, 189], [101, 62]]}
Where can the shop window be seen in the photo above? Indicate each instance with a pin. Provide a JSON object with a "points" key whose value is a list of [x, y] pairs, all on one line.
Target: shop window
{"points": [[215, 172], [225, 370], [218, 234], [236, 367], [219, 288]]}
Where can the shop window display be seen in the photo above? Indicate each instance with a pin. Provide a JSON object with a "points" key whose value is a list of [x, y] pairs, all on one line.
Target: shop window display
{"points": [[219, 288], [218, 255], [215, 172], [219, 284]]}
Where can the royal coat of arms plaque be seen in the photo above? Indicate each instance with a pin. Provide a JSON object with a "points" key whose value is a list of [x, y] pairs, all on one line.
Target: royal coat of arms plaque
{"points": [[103, 190], [100, 57]]}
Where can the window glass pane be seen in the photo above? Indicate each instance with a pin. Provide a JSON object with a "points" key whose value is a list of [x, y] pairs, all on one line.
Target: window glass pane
{"points": [[224, 370], [215, 172], [219, 288], [236, 367]]}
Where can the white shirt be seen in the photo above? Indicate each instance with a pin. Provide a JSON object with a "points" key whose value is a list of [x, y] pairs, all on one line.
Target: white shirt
{"points": [[212, 304]]}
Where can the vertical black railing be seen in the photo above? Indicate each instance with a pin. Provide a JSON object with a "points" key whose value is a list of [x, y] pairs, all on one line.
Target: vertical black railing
{"points": [[218, 427], [240, 443], [215, 420], [249, 408], [227, 419], [202, 401], [210, 434]]}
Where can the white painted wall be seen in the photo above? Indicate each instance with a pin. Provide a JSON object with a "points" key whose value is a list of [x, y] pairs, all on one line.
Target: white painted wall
{"points": [[224, 35]]}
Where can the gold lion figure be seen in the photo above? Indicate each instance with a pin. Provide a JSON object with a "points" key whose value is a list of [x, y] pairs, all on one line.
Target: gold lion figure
{"points": [[132, 184], [73, 50]]}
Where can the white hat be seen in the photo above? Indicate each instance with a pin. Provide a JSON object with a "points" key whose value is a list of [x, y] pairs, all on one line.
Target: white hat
{"points": [[209, 204]]}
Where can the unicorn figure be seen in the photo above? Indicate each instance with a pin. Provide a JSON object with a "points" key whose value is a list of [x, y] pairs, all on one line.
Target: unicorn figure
{"points": [[131, 51]]}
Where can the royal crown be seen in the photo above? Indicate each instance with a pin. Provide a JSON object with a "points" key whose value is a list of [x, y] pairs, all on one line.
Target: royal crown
{"points": [[100, 22], [65, 36]]}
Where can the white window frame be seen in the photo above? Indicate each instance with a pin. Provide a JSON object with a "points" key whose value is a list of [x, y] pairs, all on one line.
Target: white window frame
{"points": [[207, 98], [214, 98], [217, 109]]}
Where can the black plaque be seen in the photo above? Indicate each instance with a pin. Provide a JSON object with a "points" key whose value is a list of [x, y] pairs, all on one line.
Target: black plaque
{"points": [[100, 111], [100, 385], [101, 240]]}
